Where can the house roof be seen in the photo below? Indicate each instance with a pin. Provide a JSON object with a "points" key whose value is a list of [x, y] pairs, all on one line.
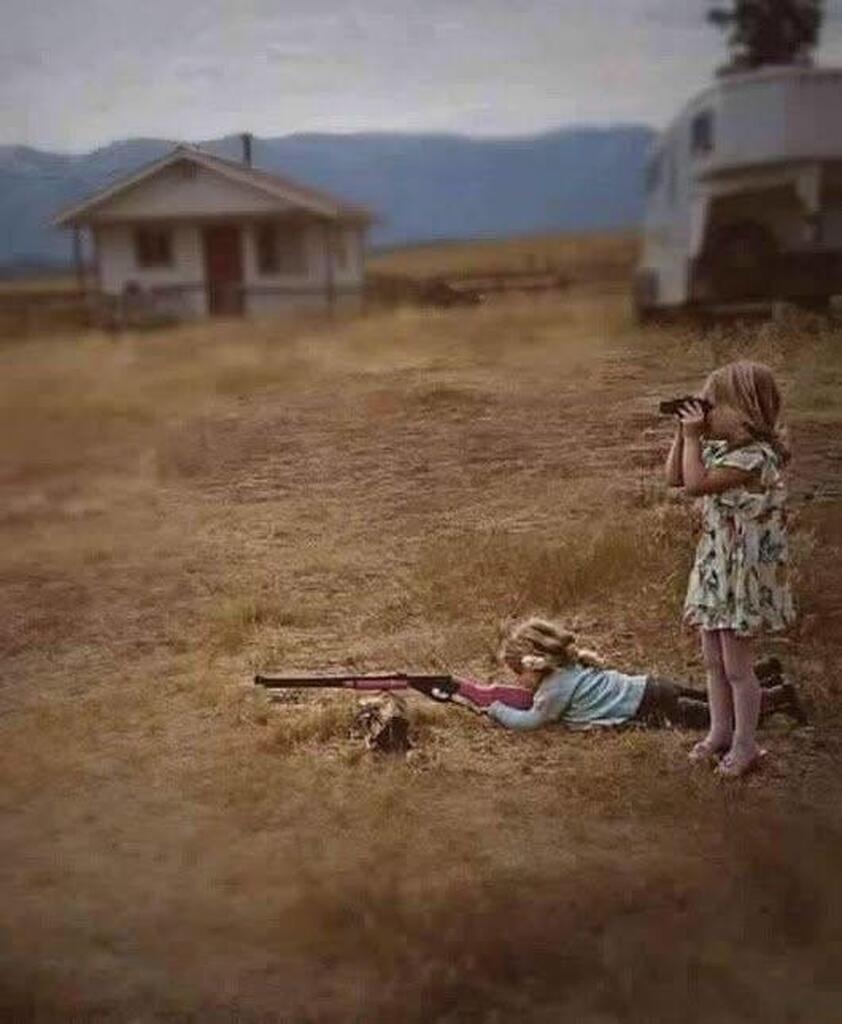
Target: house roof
{"points": [[287, 191]]}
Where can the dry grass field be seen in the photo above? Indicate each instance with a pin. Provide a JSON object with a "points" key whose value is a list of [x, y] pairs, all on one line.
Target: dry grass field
{"points": [[588, 258], [183, 507], [54, 283]]}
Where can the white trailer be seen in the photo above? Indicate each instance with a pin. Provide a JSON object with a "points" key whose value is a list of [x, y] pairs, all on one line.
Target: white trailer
{"points": [[744, 195]]}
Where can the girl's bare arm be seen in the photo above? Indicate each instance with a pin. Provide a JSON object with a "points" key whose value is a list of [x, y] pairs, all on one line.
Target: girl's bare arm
{"points": [[696, 478], [672, 468]]}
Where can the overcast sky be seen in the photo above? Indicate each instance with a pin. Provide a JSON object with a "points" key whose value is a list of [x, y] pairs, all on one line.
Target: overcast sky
{"points": [[77, 74]]}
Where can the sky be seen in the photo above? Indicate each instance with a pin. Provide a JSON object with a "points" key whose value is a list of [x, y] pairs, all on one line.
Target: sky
{"points": [[78, 74]]}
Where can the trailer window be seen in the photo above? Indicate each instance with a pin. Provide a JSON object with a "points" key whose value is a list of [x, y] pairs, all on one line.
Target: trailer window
{"points": [[701, 133]]}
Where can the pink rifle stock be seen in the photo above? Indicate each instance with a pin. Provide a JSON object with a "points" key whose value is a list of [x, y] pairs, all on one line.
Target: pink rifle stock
{"points": [[484, 696]]}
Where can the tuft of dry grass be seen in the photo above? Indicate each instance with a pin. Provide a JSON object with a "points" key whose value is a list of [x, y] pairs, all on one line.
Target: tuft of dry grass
{"points": [[236, 620], [498, 574], [308, 724]]}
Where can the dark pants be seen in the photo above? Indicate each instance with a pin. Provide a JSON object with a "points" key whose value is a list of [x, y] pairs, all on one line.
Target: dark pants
{"points": [[665, 703]]}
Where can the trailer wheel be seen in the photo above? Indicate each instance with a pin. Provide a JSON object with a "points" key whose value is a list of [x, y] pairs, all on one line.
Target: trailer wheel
{"points": [[741, 263]]}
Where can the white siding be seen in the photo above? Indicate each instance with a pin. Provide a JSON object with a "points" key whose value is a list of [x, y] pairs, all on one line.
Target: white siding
{"points": [[268, 304], [314, 280], [749, 125], [351, 275], [203, 194], [779, 115], [118, 266], [311, 277], [670, 216], [814, 116]]}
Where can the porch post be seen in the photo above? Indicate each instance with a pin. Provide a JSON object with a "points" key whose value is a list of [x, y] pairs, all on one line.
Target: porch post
{"points": [[78, 263], [330, 283]]}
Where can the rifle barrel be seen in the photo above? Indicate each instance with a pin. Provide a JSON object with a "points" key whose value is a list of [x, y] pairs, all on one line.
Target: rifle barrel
{"points": [[355, 681]]}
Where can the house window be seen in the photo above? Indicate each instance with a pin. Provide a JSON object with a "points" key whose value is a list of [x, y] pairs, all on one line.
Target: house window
{"points": [[153, 247], [281, 249], [701, 133]]}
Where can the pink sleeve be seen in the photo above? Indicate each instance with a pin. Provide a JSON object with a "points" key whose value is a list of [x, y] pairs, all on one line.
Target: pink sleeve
{"points": [[483, 695]]}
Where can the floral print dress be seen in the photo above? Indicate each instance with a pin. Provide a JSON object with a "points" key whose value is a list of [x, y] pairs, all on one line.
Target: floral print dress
{"points": [[739, 579]]}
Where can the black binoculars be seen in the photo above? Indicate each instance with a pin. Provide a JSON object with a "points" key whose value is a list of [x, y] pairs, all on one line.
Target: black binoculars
{"points": [[673, 405]]}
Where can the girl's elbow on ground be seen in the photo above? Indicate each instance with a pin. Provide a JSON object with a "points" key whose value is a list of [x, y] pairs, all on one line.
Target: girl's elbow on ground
{"points": [[521, 724], [510, 718], [531, 724]]}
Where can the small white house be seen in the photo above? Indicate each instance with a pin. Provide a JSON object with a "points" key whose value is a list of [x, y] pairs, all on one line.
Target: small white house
{"points": [[192, 235]]}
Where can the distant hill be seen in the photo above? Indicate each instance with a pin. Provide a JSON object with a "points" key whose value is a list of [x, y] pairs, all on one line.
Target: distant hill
{"points": [[422, 187]]}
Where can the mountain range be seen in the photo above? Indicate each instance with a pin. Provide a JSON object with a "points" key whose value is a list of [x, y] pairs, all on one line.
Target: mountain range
{"points": [[420, 187]]}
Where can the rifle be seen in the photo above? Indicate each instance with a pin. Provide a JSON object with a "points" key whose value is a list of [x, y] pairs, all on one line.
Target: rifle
{"points": [[441, 688]]}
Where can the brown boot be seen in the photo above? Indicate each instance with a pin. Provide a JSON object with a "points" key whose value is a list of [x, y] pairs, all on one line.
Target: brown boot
{"points": [[783, 699], [768, 671], [792, 704]]}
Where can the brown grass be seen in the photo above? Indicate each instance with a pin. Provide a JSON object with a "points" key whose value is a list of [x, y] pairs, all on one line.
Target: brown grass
{"points": [[50, 284], [584, 258], [182, 508]]}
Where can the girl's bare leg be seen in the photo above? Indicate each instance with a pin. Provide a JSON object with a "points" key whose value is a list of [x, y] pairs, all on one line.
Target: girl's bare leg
{"points": [[721, 731], [745, 688]]}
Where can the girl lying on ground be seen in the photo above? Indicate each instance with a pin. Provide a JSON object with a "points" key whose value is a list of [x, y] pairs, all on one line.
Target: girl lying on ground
{"points": [[557, 682]]}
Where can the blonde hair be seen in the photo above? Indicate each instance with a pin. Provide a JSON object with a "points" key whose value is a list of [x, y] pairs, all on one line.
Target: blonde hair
{"points": [[751, 389], [543, 646]]}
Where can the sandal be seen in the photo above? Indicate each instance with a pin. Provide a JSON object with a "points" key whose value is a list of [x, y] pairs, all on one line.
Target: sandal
{"points": [[728, 768], [702, 752]]}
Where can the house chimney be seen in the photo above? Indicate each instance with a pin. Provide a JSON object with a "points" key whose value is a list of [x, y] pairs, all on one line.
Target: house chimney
{"points": [[246, 138]]}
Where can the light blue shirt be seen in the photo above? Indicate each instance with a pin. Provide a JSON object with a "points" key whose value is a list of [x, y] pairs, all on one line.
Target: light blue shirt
{"points": [[579, 696]]}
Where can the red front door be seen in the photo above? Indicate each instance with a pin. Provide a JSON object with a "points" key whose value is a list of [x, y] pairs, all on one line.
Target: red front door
{"points": [[223, 270]]}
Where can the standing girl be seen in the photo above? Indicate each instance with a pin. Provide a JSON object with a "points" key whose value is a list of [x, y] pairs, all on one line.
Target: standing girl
{"points": [[732, 456]]}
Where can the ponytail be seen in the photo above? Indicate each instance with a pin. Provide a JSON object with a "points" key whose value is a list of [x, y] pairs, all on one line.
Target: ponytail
{"points": [[541, 645]]}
